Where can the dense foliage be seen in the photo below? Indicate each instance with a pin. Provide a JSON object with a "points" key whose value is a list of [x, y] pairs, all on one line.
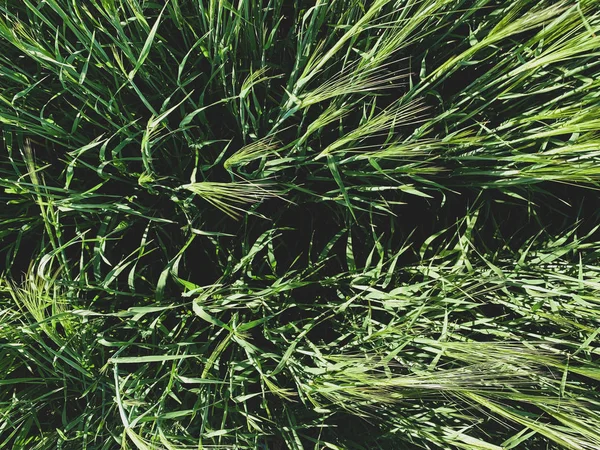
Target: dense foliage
{"points": [[325, 224]]}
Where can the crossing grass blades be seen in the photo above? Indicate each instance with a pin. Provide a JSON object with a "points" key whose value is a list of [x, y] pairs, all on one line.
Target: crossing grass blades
{"points": [[326, 224]]}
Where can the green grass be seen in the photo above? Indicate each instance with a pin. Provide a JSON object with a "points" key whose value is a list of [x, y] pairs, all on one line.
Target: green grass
{"points": [[328, 224]]}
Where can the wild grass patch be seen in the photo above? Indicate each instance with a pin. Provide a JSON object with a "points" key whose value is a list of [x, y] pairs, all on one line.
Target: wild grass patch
{"points": [[299, 225]]}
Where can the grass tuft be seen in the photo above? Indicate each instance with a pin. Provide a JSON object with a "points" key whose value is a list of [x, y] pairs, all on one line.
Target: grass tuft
{"points": [[300, 224]]}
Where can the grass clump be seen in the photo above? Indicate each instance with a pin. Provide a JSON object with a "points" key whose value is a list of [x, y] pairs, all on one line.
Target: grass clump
{"points": [[299, 225]]}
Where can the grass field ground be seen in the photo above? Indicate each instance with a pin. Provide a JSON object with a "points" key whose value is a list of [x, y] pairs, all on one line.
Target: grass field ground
{"points": [[276, 224]]}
